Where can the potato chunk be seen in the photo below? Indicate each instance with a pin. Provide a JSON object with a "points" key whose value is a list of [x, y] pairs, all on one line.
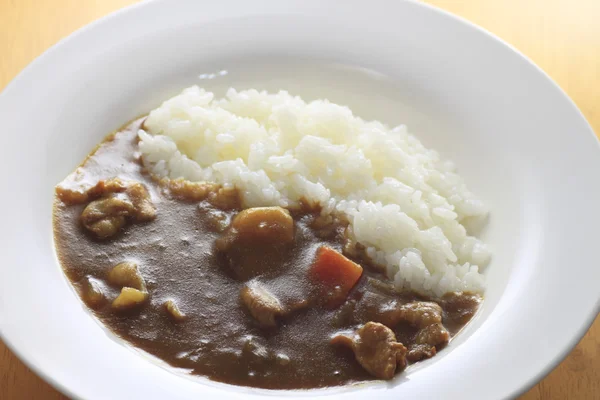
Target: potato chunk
{"points": [[174, 311], [129, 298], [126, 274], [264, 223], [262, 304]]}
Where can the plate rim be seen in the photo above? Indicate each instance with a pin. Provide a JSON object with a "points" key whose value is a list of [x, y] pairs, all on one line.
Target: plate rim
{"points": [[125, 11]]}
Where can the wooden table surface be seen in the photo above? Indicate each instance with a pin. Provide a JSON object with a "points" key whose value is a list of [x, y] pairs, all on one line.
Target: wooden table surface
{"points": [[561, 36]]}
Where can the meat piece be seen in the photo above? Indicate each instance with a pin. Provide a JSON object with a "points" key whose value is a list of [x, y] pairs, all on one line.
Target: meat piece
{"points": [[418, 352], [72, 193], [126, 274], [92, 292], [106, 227], [376, 349], [266, 224], [71, 196], [256, 351], [420, 313], [388, 311], [129, 298], [426, 341], [174, 311], [144, 210], [262, 304], [282, 359], [105, 187], [182, 189], [433, 335], [106, 217]]}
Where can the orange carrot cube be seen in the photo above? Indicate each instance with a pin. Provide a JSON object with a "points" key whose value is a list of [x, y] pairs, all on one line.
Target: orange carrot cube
{"points": [[336, 273]]}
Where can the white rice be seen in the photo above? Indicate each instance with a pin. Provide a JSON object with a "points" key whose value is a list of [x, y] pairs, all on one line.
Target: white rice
{"points": [[405, 204]]}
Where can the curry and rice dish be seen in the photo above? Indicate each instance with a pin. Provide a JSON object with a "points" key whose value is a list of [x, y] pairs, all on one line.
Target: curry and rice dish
{"points": [[263, 241]]}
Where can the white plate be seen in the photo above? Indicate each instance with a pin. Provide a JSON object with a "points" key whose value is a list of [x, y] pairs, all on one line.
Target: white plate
{"points": [[516, 137]]}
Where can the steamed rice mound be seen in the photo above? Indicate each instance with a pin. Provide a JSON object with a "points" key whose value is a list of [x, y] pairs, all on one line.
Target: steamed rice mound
{"points": [[408, 207]]}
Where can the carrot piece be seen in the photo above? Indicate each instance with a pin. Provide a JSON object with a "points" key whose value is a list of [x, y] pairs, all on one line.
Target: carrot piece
{"points": [[336, 273]]}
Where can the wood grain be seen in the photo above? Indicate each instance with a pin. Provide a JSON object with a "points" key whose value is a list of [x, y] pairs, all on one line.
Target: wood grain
{"points": [[561, 36]]}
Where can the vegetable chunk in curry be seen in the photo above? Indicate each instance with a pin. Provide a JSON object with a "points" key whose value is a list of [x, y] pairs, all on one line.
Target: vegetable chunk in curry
{"points": [[264, 297]]}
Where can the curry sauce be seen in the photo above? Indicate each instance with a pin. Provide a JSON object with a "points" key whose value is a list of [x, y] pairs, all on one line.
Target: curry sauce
{"points": [[233, 308]]}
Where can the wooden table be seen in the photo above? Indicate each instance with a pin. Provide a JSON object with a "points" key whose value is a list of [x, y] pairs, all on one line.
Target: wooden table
{"points": [[561, 36]]}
